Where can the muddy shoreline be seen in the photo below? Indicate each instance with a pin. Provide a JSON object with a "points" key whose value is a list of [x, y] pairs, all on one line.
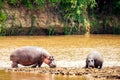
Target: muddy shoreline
{"points": [[104, 73]]}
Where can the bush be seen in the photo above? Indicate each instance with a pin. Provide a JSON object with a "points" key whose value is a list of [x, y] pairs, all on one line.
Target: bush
{"points": [[3, 16]]}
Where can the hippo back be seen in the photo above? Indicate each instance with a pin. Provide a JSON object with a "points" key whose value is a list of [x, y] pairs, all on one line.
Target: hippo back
{"points": [[27, 53]]}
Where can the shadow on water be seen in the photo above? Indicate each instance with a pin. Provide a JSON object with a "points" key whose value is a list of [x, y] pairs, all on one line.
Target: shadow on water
{"points": [[30, 76]]}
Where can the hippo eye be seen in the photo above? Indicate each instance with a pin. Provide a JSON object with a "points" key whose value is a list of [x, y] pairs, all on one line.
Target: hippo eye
{"points": [[91, 60], [88, 61], [51, 58]]}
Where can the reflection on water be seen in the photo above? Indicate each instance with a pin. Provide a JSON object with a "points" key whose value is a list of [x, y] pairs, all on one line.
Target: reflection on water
{"points": [[4, 75], [29, 76]]}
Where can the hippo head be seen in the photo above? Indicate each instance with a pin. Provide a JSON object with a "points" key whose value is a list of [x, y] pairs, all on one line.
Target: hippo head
{"points": [[50, 61], [90, 62]]}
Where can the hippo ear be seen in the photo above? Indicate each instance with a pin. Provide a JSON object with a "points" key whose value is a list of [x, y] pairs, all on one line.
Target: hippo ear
{"points": [[52, 57]]}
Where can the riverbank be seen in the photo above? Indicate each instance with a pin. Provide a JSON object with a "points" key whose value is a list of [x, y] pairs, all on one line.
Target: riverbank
{"points": [[104, 73], [21, 20]]}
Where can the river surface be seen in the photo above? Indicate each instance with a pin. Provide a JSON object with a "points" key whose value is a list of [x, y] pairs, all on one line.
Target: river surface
{"points": [[68, 51], [29, 76]]}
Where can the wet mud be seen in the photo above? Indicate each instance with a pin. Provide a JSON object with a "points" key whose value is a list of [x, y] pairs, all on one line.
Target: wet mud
{"points": [[104, 73]]}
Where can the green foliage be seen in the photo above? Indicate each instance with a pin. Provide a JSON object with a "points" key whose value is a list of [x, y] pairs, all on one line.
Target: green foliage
{"points": [[117, 2], [3, 16], [18, 29], [116, 8], [116, 30], [70, 11], [28, 3], [104, 25], [73, 30], [75, 11], [51, 30], [2, 30], [13, 1], [32, 25], [109, 26], [2, 2], [67, 30], [40, 3], [94, 26], [13, 26], [76, 8]]}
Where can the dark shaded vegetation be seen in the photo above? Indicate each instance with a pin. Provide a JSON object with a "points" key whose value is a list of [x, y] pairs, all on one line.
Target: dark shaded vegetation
{"points": [[78, 16], [104, 18]]}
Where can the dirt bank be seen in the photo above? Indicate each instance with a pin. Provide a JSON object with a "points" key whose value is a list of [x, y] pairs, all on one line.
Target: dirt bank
{"points": [[104, 73]]}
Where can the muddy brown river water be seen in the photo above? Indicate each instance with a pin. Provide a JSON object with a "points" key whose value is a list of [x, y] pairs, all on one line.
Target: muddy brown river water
{"points": [[68, 51]]}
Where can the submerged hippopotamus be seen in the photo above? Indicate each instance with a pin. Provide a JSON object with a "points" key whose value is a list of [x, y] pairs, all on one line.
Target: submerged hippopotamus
{"points": [[94, 59], [30, 55]]}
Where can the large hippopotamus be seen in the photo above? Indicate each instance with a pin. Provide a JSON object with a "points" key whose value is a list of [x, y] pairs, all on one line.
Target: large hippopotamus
{"points": [[31, 55], [94, 60]]}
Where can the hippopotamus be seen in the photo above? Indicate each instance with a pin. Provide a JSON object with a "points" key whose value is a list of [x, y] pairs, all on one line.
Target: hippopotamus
{"points": [[94, 60], [31, 55]]}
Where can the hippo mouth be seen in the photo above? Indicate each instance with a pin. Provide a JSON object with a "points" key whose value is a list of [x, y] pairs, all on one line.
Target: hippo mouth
{"points": [[90, 66], [52, 65]]}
